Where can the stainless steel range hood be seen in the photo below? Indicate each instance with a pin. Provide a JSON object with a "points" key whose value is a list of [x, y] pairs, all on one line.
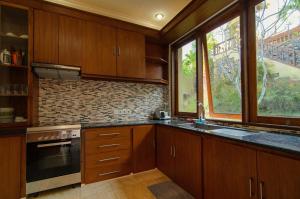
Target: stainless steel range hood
{"points": [[54, 71]]}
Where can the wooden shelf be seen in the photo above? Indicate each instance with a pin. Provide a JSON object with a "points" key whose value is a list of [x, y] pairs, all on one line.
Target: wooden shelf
{"points": [[157, 60], [146, 80], [159, 81], [13, 125], [12, 36], [12, 66], [13, 95]]}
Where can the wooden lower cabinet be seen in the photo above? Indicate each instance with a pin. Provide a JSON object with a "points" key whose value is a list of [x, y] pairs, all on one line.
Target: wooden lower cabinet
{"points": [[179, 157], [188, 162], [107, 153], [164, 151], [229, 170], [143, 148], [11, 170], [278, 177], [205, 166]]}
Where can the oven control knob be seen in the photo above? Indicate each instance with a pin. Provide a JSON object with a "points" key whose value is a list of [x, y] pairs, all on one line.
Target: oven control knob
{"points": [[46, 138], [40, 138], [52, 137]]}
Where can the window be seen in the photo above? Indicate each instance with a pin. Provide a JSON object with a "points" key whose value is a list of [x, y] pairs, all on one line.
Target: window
{"points": [[222, 71], [264, 86], [187, 78], [278, 58]]}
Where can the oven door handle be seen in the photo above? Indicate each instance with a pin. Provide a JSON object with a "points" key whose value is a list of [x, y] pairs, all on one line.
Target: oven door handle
{"points": [[53, 144]]}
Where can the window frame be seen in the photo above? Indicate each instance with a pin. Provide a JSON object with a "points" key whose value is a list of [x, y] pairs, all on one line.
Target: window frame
{"points": [[252, 76], [175, 49], [210, 26], [249, 115]]}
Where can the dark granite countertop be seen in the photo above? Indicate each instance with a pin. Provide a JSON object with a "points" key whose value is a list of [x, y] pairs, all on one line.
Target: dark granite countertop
{"points": [[119, 123], [277, 141]]}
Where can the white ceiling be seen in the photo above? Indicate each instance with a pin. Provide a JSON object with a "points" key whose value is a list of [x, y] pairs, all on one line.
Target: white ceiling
{"points": [[135, 11]]}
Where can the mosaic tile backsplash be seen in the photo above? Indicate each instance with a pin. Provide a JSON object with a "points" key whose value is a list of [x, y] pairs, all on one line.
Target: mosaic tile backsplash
{"points": [[98, 101]]}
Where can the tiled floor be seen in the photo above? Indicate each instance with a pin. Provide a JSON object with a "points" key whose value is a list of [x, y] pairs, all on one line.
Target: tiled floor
{"points": [[128, 187]]}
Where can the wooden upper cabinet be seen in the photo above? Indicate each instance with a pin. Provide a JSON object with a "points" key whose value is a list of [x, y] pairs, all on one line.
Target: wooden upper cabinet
{"points": [[99, 50], [70, 41], [45, 37], [229, 170], [143, 148], [278, 177], [131, 54]]}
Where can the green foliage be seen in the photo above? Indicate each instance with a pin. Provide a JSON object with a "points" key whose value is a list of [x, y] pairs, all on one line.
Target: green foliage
{"points": [[282, 96], [223, 69], [211, 42], [226, 99], [189, 62]]}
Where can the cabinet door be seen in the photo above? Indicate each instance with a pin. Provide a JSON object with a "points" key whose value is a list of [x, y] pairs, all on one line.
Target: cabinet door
{"points": [[10, 167], [229, 170], [188, 162], [99, 50], [279, 177], [143, 148], [164, 151], [45, 38], [131, 54], [70, 41]]}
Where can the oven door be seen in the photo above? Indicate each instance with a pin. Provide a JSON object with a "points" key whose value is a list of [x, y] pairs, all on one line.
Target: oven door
{"points": [[52, 159]]}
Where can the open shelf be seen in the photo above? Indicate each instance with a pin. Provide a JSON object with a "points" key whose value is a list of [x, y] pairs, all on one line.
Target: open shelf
{"points": [[157, 60], [13, 66], [14, 78]]}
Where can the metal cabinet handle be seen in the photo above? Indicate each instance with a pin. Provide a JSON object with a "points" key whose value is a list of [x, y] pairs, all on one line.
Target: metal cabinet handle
{"points": [[174, 151], [53, 144], [171, 150], [108, 134], [108, 173], [250, 187], [108, 145], [109, 159], [261, 186], [118, 51]]}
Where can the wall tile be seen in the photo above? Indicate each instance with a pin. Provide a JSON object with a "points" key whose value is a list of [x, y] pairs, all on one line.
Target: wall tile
{"points": [[95, 101]]}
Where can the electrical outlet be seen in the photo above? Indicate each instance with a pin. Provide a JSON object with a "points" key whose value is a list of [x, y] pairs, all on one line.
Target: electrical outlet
{"points": [[116, 111], [128, 111]]}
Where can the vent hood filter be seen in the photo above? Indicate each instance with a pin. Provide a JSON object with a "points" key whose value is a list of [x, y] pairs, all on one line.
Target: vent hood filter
{"points": [[56, 71]]}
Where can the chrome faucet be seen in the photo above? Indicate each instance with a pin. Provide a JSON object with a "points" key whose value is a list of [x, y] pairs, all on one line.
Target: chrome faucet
{"points": [[202, 111]]}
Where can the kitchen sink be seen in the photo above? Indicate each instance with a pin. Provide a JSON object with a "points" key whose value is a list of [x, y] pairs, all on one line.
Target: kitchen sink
{"points": [[219, 130], [207, 127], [231, 132]]}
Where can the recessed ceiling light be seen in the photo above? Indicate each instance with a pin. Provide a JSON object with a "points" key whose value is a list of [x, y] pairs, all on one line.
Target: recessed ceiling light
{"points": [[159, 16]]}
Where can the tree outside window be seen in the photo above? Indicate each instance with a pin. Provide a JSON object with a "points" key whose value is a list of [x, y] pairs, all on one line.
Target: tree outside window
{"points": [[187, 78], [278, 58], [222, 73]]}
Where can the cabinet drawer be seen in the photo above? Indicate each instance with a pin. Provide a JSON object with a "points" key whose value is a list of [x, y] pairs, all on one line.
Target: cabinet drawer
{"points": [[108, 158], [106, 172], [107, 145], [107, 133]]}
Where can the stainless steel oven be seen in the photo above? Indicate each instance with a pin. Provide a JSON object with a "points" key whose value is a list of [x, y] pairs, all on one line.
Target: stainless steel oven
{"points": [[53, 157]]}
